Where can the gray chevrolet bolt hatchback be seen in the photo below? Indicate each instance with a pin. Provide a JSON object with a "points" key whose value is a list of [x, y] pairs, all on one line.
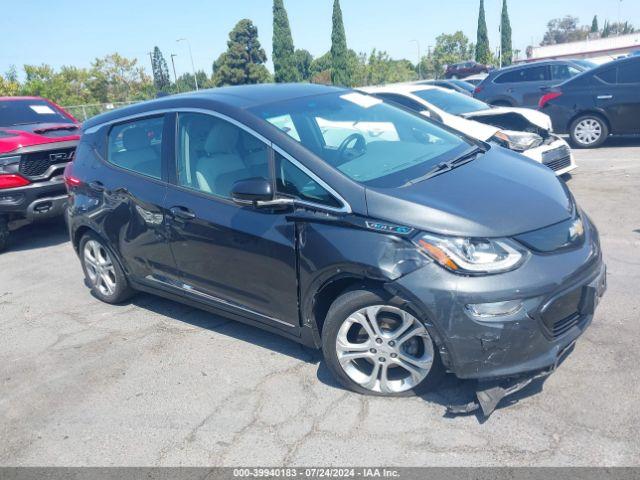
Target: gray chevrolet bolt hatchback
{"points": [[401, 248]]}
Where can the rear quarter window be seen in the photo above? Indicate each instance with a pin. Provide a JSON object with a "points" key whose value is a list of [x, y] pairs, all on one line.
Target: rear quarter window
{"points": [[137, 146]]}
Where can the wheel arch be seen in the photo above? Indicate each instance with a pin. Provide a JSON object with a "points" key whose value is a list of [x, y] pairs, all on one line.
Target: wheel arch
{"points": [[82, 230], [592, 111]]}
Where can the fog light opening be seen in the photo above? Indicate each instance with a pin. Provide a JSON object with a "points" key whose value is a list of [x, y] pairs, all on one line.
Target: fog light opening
{"points": [[493, 310]]}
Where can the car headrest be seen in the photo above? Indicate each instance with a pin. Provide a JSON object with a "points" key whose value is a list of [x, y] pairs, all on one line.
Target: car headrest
{"points": [[223, 138], [135, 139]]}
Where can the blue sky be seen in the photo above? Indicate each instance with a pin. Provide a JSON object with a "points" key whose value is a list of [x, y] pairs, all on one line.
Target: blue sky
{"points": [[73, 32]]}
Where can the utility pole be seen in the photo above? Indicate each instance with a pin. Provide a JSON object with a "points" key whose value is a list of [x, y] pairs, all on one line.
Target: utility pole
{"points": [[173, 64], [151, 60], [419, 59], [193, 68], [619, 17]]}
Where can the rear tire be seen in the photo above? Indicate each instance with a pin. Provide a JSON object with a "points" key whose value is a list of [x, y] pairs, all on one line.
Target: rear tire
{"points": [[588, 131], [392, 356], [4, 233], [102, 271]]}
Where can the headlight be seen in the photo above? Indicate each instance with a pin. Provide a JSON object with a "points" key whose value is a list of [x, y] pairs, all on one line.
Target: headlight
{"points": [[472, 255], [518, 141], [6, 161]]}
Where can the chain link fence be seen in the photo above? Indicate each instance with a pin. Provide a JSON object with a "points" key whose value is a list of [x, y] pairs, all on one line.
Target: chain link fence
{"points": [[83, 112]]}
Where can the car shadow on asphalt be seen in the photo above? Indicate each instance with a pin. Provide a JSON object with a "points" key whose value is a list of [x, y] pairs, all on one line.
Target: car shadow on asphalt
{"points": [[622, 141], [226, 326], [29, 236]]}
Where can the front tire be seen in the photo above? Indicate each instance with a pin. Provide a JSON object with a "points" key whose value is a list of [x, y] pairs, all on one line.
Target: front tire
{"points": [[588, 131], [102, 271], [373, 345], [4, 233]]}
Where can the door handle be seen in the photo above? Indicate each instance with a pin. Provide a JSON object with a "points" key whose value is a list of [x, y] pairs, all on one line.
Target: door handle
{"points": [[605, 97], [182, 213], [97, 186]]}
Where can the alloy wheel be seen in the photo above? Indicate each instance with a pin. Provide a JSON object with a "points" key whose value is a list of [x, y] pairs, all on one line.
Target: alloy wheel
{"points": [[588, 131], [384, 349], [99, 267]]}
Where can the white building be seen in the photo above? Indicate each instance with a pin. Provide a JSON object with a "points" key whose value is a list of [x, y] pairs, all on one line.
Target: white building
{"points": [[598, 50]]}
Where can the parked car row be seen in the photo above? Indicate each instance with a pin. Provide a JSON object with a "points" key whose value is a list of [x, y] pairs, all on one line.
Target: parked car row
{"points": [[586, 101]]}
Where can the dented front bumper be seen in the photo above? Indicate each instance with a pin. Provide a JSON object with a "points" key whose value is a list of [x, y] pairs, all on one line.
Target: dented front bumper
{"points": [[558, 292]]}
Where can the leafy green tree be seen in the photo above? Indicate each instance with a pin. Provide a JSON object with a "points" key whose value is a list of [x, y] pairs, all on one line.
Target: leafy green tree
{"points": [[115, 78], [594, 25], [340, 65], [617, 28], [161, 79], [483, 52], [186, 83], [506, 46], [320, 69], [449, 49], [303, 61], [381, 69], [563, 30], [284, 61], [243, 62]]}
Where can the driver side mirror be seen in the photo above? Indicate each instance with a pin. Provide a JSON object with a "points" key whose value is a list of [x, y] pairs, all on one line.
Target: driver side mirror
{"points": [[256, 192]]}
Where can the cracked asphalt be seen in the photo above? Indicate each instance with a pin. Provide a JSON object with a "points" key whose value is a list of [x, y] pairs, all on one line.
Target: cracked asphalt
{"points": [[156, 383]]}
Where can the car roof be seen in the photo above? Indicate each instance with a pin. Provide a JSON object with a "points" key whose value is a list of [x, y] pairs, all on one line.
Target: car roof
{"points": [[8, 99], [239, 97]]}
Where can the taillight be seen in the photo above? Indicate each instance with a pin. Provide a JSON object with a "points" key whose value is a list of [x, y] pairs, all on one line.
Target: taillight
{"points": [[548, 97], [12, 181], [69, 180]]}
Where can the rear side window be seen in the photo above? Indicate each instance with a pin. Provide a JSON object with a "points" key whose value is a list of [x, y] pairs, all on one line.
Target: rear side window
{"points": [[531, 74], [629, 72], [137, 146], [563, 72], [291, 181]]}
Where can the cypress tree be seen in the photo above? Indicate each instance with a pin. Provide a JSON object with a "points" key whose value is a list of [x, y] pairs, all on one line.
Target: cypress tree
{"points": [[284, 62], [505, 36], [243, 62], [483, 54], [340, 68], [161, 79], [594, 25]]}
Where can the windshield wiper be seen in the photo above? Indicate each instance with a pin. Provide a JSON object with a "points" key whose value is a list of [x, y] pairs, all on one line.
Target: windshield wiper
{"points": [[444, 167]]}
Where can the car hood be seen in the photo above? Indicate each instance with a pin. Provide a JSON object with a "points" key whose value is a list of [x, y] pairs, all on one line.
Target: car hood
{"points": [[511, 118], [500, 194], [15, 138]]}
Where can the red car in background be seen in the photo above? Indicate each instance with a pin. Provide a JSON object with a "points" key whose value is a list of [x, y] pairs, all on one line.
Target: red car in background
{"points": [[37, 141]]}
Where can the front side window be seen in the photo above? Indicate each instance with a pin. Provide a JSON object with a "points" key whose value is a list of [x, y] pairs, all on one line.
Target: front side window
{"points": [[292, 181], [367, 140], [529, 74], [609, 75], [214, 154], [451, 102], [137, 146]]}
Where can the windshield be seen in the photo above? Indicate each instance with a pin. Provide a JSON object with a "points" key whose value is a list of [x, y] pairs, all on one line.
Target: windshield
{"points": [[585, 64], [451, 102], [28, 112], [369, 141], [462, 84]]}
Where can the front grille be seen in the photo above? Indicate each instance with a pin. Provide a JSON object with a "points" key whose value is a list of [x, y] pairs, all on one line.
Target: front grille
{"points": [[558, 158], [36, 164]]}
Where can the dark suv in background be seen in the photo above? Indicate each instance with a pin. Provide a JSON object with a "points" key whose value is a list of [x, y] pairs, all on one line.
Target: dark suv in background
{"points": [[524, 85], [37, 141], [598, 103]]}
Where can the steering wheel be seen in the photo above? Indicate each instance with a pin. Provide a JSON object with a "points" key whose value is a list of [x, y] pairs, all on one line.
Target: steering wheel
{"points": [[346, 153]]}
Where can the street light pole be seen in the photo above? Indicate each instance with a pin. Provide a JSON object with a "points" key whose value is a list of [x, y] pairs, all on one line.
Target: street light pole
{"points": [[193, 68], [419, 59]]}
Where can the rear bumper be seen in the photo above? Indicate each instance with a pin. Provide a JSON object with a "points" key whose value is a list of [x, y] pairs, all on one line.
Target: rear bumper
{"points": [[37, 201]]}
